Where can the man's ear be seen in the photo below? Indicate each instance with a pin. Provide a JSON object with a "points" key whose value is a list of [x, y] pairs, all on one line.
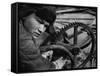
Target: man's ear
{"points": [[51, 29]]}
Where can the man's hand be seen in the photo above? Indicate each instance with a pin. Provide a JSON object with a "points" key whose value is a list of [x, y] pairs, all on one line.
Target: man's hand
{"points": [[59, 63], [48, 55]]}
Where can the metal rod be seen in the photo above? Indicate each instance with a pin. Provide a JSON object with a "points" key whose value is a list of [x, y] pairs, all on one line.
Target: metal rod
{"points": [[75, 34]]}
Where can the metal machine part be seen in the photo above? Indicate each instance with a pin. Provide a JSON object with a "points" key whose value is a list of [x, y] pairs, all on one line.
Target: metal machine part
{"points": [[69, 50]]}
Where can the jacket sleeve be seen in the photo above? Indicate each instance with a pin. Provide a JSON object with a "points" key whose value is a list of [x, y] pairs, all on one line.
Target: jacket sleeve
{"points": [[30, 58]]}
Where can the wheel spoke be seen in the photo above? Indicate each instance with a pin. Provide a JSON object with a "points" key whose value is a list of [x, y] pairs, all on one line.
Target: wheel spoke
{"points": [[75, 34]]}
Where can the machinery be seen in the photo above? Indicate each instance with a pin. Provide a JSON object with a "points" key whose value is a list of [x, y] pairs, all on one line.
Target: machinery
{"points": [[75, 40]]}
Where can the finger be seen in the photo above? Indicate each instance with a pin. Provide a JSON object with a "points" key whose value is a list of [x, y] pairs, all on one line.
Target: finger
{"points": [[60, 58]]}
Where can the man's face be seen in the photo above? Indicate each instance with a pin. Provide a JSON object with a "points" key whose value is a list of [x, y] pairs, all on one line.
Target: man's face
{"points": [[35, 25]]}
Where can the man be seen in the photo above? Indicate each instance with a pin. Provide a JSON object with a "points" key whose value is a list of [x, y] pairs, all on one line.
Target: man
{"points": [[33, 30]]}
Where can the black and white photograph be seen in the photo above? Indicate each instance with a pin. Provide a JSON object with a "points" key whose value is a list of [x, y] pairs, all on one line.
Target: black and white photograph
{"points": [[48, 37]]}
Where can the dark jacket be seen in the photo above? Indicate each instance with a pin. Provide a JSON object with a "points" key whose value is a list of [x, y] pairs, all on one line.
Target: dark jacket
{"points": [[30, 58]]}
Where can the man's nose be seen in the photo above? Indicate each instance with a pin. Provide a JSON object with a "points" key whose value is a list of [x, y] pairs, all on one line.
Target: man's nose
{"points": [[41, 28], [39, 31]]}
